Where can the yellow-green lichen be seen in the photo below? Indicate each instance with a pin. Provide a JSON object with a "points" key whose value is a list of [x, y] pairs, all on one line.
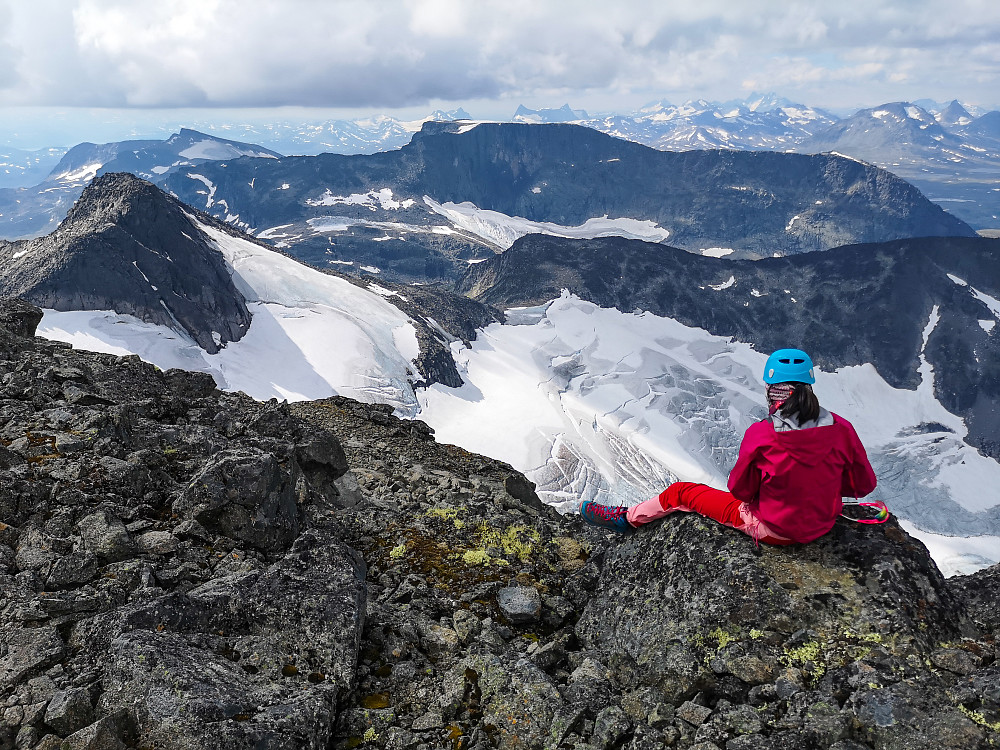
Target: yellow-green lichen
{"points": [[517, 540], [980, 719], [481, 557], [370, 735], [397, 552], [447, 514], [722, 637]]}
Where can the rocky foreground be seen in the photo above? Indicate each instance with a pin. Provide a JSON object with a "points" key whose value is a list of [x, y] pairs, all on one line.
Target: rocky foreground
{"points": [[185, 568]]}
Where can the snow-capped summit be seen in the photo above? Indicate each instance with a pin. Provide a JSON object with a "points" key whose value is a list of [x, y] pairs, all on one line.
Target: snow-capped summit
{"points": [[535, 116], [954, 115]]}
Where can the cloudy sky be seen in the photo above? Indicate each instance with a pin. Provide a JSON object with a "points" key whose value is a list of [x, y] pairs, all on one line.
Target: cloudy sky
{"points": [[410, 56]]}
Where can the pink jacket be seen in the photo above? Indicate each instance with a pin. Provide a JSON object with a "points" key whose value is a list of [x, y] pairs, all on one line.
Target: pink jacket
{"points": [[794, 481]]}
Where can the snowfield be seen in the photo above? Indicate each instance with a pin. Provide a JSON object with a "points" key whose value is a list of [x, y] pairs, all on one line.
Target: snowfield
{"points": [[312, 335], [503, 230], [589, 403]]}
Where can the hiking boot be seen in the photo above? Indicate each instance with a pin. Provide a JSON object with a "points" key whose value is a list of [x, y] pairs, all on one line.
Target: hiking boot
{"points": [[608, 517]]}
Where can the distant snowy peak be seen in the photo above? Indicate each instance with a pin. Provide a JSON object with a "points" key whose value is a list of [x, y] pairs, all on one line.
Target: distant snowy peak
{"points": [[954, 115], [536, 116], [763, 121], [900, 123], [149, 159]]}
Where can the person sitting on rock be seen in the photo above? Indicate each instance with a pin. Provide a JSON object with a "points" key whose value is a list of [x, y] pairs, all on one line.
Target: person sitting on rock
{"points": [[793, 469]]}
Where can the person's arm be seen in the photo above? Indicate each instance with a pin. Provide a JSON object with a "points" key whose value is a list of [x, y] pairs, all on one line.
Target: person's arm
{"points": [[744, 479], [859, 477]]}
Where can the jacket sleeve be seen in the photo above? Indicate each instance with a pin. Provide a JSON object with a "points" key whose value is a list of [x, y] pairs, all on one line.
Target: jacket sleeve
{"points": [[859, 478], [744, 479]]}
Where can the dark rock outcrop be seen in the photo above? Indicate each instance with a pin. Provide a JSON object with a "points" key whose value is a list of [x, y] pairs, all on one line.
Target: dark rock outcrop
{"points": [[184, 568], [129, 247]]}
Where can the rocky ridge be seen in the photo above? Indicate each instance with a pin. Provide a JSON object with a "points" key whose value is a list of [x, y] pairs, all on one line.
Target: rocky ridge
{"points": [[183, 568]]}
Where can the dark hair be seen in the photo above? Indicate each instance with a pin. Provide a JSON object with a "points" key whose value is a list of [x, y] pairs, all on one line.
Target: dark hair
{"points": [[802, 402]]}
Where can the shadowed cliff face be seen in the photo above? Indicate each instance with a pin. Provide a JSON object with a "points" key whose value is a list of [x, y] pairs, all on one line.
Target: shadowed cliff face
{"points": [[186, 568], [129, 247]]}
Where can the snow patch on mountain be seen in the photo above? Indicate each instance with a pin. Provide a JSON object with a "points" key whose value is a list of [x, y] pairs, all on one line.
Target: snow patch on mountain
{"points": [[373, 200], [212, 149], [312, 335], [210, 194], [503, 230], [991, 302], [79, 176]]}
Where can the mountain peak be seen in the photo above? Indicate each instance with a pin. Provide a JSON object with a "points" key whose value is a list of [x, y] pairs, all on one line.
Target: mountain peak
{"points": [[128, 246], [109, 198]]}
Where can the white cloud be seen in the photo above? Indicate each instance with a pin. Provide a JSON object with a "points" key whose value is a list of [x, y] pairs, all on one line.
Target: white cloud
{"points": [[397, 53]]}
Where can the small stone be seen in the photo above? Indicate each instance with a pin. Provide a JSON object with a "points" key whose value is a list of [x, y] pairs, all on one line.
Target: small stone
{"points": [[101, 735], [521, 605], [439, 640], [49, 742], [105, 537], [12, 716], [34, 713], [430, 720], [955, 660], [69, 710], [158, 542], [191, 529], [27, 737], [556, 610], [589, 669], [41, 689], [467, 625], [693, 714], [610, 726]]}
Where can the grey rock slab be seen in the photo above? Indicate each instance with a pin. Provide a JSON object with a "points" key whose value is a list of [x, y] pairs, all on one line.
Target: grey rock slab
{"points": [[106, 537], [245, 494], [28, 651], [158, 542], [521, 605], [270, 650], [69, 710]]}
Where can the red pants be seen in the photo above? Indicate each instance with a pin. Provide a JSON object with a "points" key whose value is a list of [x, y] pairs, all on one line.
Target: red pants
{"points": [[709, 502]]}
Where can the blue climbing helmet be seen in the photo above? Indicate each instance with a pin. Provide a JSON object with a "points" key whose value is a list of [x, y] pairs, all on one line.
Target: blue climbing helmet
{"points": [[789, 366]]}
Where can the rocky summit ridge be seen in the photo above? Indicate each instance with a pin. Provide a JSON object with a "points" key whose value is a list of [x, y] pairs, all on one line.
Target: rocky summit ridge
{"points": [[186, 568], [127, 246]]}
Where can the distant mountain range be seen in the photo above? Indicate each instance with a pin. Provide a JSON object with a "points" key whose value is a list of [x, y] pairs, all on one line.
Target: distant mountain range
{"points": [[950, 151], [645, 371], [952, 157], [18, 167], [460, 192], [32, 211]]}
